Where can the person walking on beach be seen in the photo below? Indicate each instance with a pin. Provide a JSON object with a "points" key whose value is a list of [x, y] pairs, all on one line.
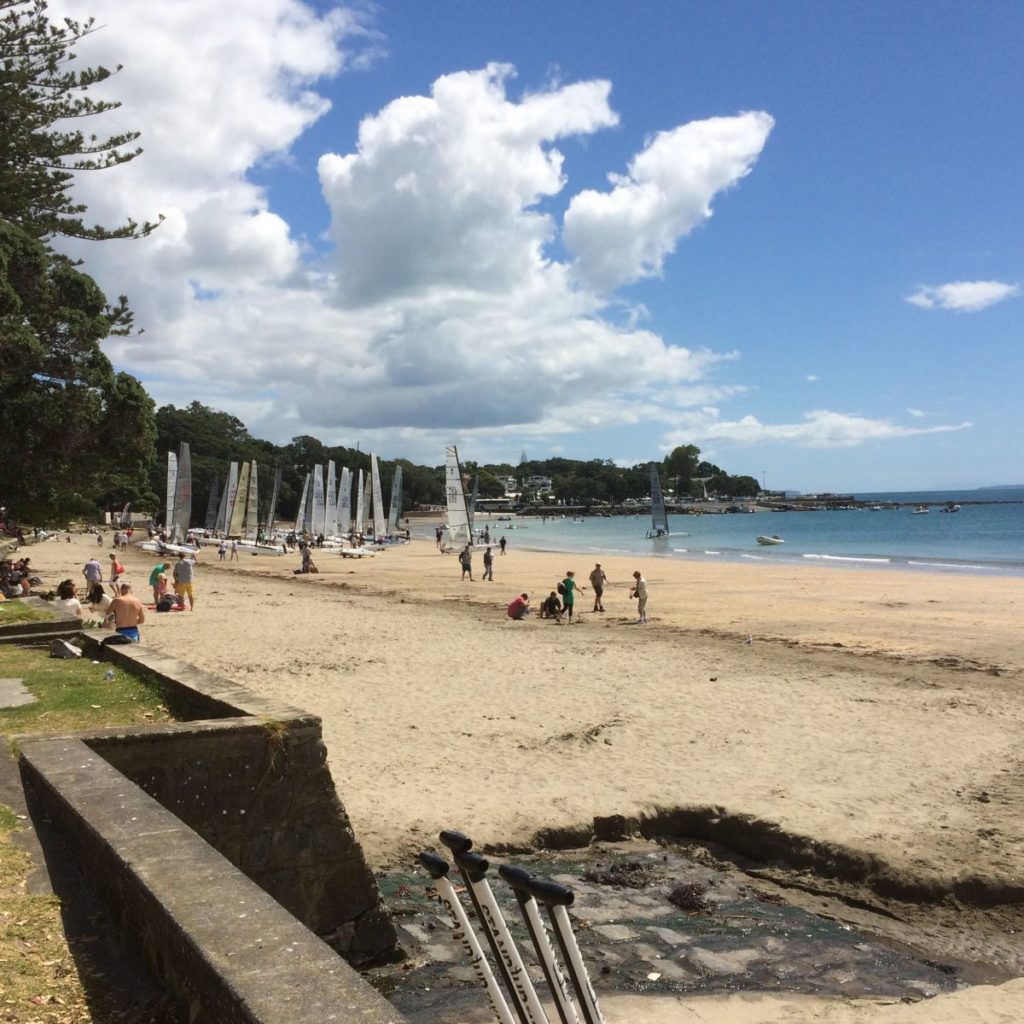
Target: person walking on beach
{"points": [[597, 580], [92, 571], [438, 535], [466, 561], [234, 551], [126, 613], [639, 591], [568, 588], [501, 544], [488, 565], [184, 573], [116, 572], [222, 549]]}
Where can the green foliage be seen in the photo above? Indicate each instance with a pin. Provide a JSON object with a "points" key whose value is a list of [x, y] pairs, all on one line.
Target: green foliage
{"points": [[74, 430], [38, 93]]}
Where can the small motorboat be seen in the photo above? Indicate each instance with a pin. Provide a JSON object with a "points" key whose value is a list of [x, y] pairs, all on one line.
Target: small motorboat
{"points": [[921, 510], [768, 541], [951, 508]]}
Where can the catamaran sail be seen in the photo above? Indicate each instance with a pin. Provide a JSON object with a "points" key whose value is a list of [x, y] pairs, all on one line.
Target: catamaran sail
{"points": [[460, 526], [331, 520], [360, 506], [659, 517], [319, 506], [126, 517], [395, 511], [378, 497], [252, 526], [471, 504], [345, 503], [300, 517], [231, 490], [237, 524], [211, 506], [272, 513], [172, 480], [182, 495]]}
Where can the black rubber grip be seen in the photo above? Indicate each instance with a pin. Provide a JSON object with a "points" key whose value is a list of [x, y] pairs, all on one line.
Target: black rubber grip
{"points": [[518, 878], [551, 894], [475, 866], [436, 866], [456, 841]]}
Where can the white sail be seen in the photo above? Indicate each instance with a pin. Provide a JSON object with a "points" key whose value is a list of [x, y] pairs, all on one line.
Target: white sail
{"points": [[345, 503], [300, 517], [460, 529], [237, 524], [319, 507], [272, 513], [368, 507], [379, 525], [172, 480], [360, 508], [331, 520], [396, 503], [232, 496], [659, 517], [182, 495], [252, 526]]}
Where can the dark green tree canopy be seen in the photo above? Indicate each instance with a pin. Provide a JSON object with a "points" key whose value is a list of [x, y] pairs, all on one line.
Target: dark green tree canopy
{"points": [[39, 95]]}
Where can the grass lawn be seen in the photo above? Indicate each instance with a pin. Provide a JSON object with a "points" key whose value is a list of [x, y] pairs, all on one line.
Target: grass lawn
{"points": [[15, 611], [39, 979]]}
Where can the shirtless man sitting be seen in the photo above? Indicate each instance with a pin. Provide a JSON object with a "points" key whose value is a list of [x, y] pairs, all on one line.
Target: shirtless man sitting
{"points": [[126, 613]]}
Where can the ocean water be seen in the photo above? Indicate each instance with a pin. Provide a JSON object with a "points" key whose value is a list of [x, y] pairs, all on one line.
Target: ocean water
{"points": [[979, 539]]}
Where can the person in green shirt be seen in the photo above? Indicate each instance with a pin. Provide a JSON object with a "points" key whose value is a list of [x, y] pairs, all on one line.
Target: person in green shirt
{"points": [[568, 587]]}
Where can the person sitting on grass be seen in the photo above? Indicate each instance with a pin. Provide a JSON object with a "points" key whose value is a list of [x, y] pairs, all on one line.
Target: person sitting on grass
{"points": [[67, 597], [519, 607]]}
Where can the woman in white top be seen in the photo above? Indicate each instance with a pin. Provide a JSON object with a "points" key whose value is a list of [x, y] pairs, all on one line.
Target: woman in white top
{"points": [[67, 597], [98, 599]]}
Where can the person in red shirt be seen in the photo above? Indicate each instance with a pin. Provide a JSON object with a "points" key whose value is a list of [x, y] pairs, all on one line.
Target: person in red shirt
{"points": [[519, 607]]}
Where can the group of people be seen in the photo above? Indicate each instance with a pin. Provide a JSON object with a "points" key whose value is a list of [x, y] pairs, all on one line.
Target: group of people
{"points": [[16, 578], [560, 604]]}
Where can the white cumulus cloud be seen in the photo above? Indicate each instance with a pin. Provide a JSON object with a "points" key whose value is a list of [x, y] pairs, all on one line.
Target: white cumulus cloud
{"points": [[625, 234], [963, 296], [819, 428]]}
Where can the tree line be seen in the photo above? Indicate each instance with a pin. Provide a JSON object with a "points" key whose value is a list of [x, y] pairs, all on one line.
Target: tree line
{"points": [[80, 436]]}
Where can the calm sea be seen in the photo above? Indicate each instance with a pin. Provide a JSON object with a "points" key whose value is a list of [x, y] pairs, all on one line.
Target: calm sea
{"points": [[979, 539]]}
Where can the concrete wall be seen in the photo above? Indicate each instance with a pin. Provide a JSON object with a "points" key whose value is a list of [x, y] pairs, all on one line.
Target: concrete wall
{"points": [[205, 837]]}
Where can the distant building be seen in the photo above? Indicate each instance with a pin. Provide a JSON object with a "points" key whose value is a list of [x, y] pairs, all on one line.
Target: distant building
{"points": [[511, 485], [540, 484]]}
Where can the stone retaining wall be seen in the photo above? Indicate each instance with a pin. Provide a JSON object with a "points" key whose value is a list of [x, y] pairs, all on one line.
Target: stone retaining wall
{"points": [[205, 837]]}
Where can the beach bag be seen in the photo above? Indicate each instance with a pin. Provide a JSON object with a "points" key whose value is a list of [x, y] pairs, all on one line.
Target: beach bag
{"points": [[62, 649], [561, 588]]}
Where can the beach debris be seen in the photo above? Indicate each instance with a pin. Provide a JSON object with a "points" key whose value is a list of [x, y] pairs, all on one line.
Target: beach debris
{"points": [[750, 638], [689, 896], [628, 874]]}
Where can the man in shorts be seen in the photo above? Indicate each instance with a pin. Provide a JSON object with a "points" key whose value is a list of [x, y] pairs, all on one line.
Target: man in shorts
{"points": [[126, 613], [597, 581], [184, 572]]}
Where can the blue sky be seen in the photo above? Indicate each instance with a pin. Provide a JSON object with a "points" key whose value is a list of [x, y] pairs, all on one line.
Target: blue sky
{"points": [[465, 270]]}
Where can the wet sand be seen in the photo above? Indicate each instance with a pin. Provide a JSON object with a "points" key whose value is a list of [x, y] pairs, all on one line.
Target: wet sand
{"points": [[873, 721]]}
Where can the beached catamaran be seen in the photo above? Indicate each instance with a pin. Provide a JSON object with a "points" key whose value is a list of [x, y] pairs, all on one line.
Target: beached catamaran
{"points": [[460, 522]]}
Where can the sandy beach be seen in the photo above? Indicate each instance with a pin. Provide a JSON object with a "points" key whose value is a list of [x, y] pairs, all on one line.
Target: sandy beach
{"points": [[868, 718]]}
